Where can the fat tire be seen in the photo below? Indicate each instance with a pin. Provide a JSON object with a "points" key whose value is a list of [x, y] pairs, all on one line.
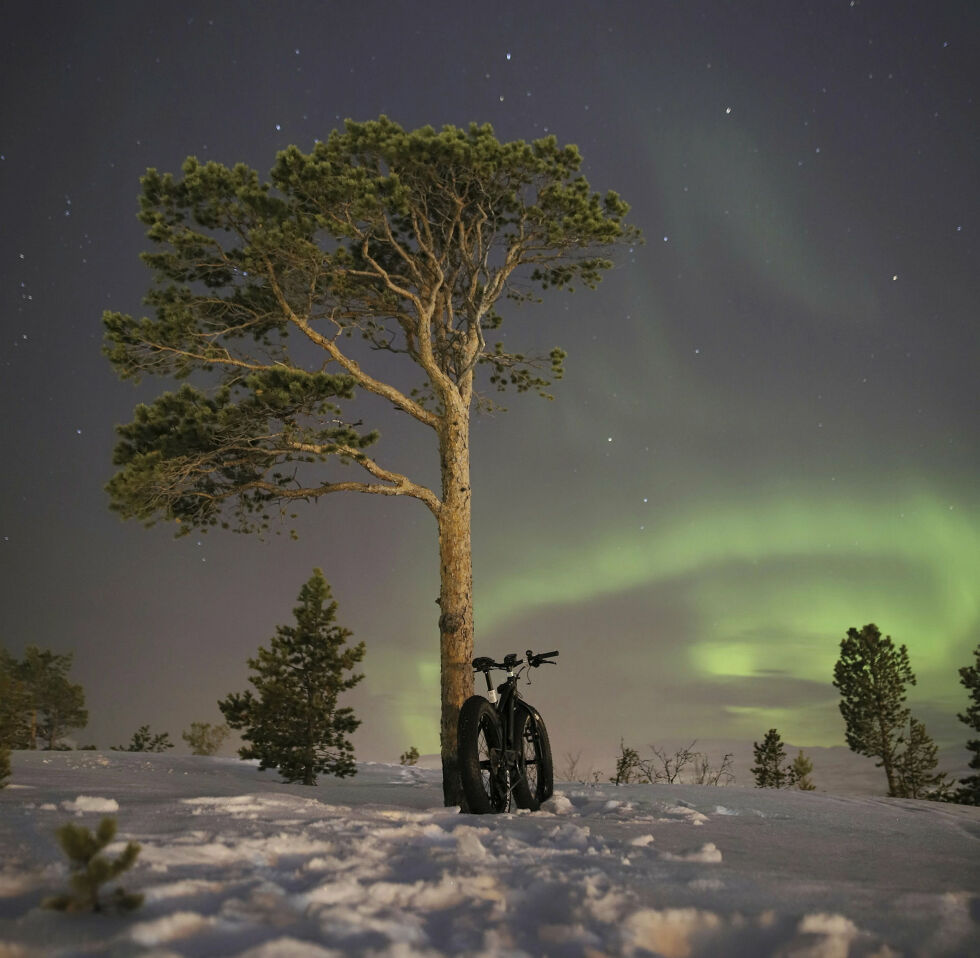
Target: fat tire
{"points": [[479, 731], [536, 772]]}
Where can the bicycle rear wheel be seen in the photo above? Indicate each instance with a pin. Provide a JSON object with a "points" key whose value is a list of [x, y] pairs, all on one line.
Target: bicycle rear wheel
{"points": [[536, 773], [478, 752]]}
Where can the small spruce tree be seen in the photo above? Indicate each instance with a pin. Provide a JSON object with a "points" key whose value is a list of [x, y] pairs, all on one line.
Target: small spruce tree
{"points": [[90, 870], [871, 675], [770, 770], [800, 772], [916, 765], [969, 790], [292, 722], [144, 741], [205, 738], [410, 757]]}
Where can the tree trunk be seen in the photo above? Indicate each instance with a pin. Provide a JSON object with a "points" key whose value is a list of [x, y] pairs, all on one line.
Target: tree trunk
{"points": [[887, 756], [455, 592]]}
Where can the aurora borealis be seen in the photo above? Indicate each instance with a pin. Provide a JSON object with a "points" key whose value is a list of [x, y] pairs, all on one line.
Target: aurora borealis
{"points": [[767, 431]]}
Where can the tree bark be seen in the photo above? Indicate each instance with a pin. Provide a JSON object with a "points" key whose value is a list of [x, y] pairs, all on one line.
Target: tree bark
{"points": [[888, 758], [455, 592]]}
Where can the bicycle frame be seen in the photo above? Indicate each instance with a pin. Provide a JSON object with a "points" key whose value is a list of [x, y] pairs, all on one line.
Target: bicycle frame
{"points": [[504, 698], [518, 725]]}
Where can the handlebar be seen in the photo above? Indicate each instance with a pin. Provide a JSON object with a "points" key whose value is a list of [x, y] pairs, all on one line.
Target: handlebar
{"points": [[541, 658], [511, 661]]}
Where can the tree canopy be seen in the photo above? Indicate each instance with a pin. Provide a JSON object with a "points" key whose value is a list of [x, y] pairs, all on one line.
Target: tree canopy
{"points": [[405, 241], [37, 700]]}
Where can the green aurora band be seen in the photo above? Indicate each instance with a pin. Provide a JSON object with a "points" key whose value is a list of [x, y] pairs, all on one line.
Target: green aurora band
{"points": [[774, 585], [771, 587]]}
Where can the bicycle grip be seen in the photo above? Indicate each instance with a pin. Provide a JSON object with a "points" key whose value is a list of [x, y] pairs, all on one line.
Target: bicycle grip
{"points": [[539, 659]]}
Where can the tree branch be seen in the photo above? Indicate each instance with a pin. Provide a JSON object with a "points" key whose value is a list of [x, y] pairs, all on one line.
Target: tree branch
{"points": [[395, 396]]}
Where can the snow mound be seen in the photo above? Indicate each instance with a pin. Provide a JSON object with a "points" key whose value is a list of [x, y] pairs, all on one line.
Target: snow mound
{"points": [[88, 803], [706, 853]]}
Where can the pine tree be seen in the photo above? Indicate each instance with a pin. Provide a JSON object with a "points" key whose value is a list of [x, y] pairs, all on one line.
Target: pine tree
{"points": [[969, 790], [871, 675], [800, 772], [379, 240], [4, 765], [90, 870], [144, 740], [292, 722], [16, 709], [915, 765], [40, 704], [770, 770], [410, 757], [205, 738]]}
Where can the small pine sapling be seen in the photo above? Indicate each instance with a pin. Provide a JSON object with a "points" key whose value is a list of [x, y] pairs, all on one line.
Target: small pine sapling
{"points": [[800, 772], [205, 738], [90, 870], [144, 741], [411, 757]]}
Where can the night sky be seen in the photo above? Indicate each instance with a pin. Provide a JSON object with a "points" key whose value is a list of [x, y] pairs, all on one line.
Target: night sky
{"points": [[767, 431]]}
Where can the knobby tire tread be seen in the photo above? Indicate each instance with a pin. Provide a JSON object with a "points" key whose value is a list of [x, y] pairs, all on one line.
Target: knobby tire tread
{"points": [[537, 785], [478, 717]]}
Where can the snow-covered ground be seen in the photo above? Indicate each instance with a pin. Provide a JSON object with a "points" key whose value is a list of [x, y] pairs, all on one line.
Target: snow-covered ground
{"points": [[235, 863]]}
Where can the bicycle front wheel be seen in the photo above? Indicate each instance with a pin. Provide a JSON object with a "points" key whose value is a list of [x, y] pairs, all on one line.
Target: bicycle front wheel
{"points": [[478, 752], [536, 774]]}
